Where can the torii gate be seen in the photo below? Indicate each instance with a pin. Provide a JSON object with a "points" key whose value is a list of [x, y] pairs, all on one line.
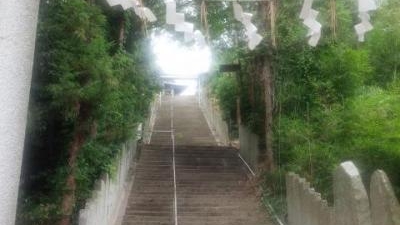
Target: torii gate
{"points": [[18, 21]]}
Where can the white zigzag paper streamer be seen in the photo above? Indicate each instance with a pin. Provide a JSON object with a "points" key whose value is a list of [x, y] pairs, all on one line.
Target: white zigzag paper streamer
{"points": [[364, 6], [171, 12], [309, 17], [251, 30], [178, 20], [142, 12]]}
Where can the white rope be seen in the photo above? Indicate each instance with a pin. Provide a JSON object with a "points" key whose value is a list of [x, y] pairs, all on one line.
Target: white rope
{"points": [[247, 165], [271, 209], [173, 161]]}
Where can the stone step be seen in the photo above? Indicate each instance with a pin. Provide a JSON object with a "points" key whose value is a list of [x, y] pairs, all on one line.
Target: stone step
{"points": [[211, 181]]}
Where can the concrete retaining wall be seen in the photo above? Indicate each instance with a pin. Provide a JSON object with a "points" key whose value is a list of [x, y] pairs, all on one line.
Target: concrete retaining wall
{"points": [[149, 123], [249, 146], [249, 142], [305, 205], [213, 116], [352, 205], [109, 199]]}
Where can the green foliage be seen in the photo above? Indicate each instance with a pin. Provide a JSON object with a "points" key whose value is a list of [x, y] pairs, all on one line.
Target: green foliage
{"points": [[306, 148], [75, 54], [95, 159], [328, 107], [342, 71], [225, 89], [373, 125], [80, 77], [35, 213], [384, 44]]}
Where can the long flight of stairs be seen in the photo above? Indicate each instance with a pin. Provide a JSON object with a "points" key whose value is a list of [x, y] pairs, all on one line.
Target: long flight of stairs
{"points": [[212, 185]]}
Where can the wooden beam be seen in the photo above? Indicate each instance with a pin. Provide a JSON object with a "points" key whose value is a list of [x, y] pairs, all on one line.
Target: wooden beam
{"points": [[229, 68]]}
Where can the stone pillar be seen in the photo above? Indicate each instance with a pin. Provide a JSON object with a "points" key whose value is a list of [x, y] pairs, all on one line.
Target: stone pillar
{"points": [[385, 207], [350, 197], [18, 21]]}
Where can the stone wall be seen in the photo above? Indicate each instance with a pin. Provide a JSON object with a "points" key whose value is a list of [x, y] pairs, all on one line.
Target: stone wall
{"points": [[385, 209], [214, 118], [352, 205], [249, 146], [107, 205], [248, 141], [149, 123]]}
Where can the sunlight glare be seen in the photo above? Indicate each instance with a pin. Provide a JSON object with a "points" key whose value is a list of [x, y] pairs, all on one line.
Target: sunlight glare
{"points": [[178, 60]]}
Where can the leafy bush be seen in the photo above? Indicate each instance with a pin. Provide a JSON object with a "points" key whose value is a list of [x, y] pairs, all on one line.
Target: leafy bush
{"points": [[225, 89], [373, 128]]}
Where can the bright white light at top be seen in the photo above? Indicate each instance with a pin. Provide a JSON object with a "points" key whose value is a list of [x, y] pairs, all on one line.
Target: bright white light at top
{"points": [[191, 86], [177, 60]]}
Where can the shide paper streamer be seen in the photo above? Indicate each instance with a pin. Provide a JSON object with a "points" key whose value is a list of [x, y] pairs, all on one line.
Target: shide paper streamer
{"points": [[178, 20], [364, 6], [143, 12], [251, 30], [309, 17], [172, 17]]}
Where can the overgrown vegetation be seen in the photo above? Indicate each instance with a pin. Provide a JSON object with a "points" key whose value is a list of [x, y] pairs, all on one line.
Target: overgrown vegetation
{"points": [[92, 85], [226, 89], [336, 102]]}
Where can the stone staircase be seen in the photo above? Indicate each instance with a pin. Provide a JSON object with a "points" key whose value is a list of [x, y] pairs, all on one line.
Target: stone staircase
{"points": [[212, 185], [152, 195]]}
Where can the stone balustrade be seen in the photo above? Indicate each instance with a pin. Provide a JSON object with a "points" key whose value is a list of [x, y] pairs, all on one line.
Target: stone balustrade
{"points": [[249, 142], [352, 205], [214, 118], [109, 198], [249, 146], [149, 122], [385, 208]]}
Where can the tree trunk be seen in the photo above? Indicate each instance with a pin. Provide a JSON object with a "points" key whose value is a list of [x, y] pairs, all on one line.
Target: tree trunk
{"points": [[333, 18], [272, 22], [79, 136], [121, 35], [268, 96], [68, 201], [269, 12], [238, 100], [251, 89], [238, 111]]}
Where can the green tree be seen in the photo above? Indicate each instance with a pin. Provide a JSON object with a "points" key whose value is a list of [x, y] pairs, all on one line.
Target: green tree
{"points": [[384, 44], [88, 95]]}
